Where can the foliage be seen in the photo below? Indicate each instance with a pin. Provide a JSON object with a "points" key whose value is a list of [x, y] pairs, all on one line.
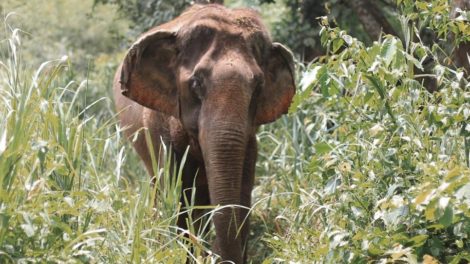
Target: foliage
{"points": [[436, 15], [297, 26], [69, 190], [385, 176], [145, 14], [74, 28]]}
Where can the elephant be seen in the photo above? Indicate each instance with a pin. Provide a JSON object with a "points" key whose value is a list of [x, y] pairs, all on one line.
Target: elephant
{"points": [[207, 79]]}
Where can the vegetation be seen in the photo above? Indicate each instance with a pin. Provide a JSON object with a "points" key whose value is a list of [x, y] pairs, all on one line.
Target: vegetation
{"points": [[369, 166]]}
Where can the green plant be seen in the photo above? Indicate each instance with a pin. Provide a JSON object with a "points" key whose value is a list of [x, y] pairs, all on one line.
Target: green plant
{"points": [[371, 166], [70, 191]]}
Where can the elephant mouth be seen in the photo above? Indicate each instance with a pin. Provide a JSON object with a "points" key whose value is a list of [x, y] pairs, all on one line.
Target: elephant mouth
{"points": [[195, 151]]}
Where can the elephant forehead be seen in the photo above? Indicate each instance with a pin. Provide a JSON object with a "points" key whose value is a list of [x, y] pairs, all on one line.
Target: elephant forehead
{"points": [[238, 21], [249, 24]]}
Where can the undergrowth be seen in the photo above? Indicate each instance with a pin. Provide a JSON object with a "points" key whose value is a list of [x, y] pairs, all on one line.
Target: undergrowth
{"points": [[71, 191], [369, 167], [372, 167]]}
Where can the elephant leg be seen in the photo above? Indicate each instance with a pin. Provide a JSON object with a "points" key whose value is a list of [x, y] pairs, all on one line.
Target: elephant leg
{"points": [[201, 227], [156, 125], [246, 188], [195, 192], [142, 148], [201, 198]]}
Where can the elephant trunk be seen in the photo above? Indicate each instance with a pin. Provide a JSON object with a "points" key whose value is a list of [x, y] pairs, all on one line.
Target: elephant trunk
{"points": [[224, 155]]}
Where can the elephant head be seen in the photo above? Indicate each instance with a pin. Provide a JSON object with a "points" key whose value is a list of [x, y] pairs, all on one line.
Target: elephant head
{"points": [[218, 72]]}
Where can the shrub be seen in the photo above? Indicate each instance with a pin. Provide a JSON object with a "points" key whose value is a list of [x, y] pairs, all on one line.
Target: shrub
{"points": [[371, 166]]}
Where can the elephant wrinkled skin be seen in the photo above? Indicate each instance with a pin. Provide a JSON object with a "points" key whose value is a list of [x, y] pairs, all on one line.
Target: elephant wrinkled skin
{"points": [[207, 79]]}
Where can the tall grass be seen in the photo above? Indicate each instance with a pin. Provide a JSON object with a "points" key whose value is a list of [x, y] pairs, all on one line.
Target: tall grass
{"points": [[71, 190]]}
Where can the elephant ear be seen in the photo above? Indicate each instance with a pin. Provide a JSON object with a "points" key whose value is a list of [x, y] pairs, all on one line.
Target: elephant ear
{"points": [[148, 72], [276, 96]]}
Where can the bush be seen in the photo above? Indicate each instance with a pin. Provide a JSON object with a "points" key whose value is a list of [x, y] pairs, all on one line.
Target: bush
{"points": [[372, 166]]}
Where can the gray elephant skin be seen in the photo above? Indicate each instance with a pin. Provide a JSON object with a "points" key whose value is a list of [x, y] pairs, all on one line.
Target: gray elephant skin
{"points": [[207, 79]]}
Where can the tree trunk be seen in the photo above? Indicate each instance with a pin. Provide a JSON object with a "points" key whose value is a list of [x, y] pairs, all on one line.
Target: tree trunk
{"points": [[311, 10], [462, 52], [371, 18]]}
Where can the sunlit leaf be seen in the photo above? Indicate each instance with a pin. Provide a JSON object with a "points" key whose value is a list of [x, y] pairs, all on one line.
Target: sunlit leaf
{"points": [[322, 148], [422, 197]]}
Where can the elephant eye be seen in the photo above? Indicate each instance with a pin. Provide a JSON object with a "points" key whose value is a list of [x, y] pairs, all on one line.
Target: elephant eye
{"points": [[195, 85]]}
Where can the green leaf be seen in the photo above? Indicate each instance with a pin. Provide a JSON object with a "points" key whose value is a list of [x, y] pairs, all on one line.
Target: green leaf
{"points": [[322, 148], [413, 60], [374, 250], [430, 212], [337, 44], [446, 218], [323, 80], [422, 5], [436, 246], [452, 174], [422, 197], [367, 97], [419, 240], [389, 49], [298, 99], [377, 85]]}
